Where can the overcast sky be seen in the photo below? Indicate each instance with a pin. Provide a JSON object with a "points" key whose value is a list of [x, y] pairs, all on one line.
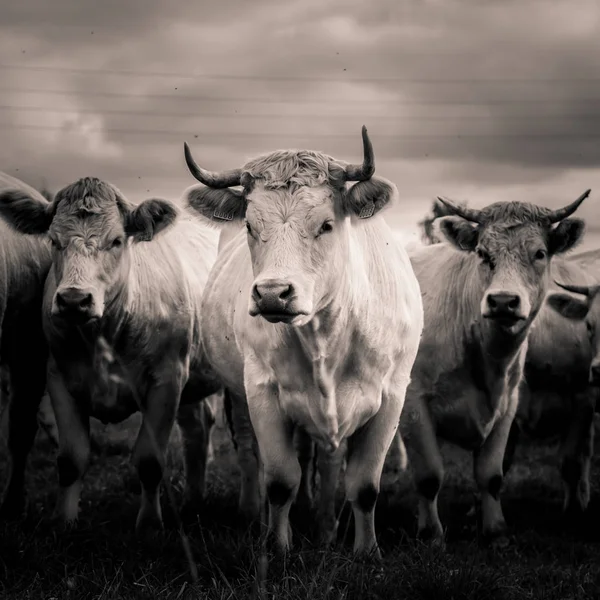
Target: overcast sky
{"points": [[478, 101]]}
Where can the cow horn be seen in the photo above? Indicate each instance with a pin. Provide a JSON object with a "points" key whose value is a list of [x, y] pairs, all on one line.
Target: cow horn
{"points": [[224, 179], [562, 213], [365, 171], [470, 214], [585, 290]]}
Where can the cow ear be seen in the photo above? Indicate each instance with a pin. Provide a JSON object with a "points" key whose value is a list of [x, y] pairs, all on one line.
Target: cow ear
{"points": [[366, 198], [568, 307], [217, 206], [149, 218], [24, 213], [566, 235], [461, 233]]}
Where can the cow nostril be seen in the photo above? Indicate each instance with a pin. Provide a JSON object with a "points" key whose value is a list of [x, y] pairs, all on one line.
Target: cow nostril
{"points": [[60, 300], [86, 301], [256, 293], [514, 303], [491, 302], [286, 293]]}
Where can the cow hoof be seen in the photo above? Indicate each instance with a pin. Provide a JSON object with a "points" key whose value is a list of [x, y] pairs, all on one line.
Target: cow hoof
{"points": [[327, 530], [369, 557], [148, 524], [431, 536], [496, 539], [67, 525], [249, 511]]}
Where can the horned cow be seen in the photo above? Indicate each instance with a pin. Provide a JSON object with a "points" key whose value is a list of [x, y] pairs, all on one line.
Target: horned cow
{"points": [[314, 315], [121, 313], [481, 292]]}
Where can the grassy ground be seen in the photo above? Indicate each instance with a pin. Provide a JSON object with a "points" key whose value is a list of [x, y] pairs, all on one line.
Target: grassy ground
{"points": [[104, 559]]}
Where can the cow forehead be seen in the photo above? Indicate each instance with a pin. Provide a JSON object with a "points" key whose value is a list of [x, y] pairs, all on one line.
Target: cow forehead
{"points": [[512, 235], [86, 216], [291, 203]]}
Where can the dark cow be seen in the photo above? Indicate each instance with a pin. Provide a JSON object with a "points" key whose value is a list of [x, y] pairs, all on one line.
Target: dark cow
{"points": [[481, 293], [121, 313], [24, 265]]}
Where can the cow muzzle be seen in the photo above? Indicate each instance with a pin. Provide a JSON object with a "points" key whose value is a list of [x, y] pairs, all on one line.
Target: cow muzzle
{"points": [[75, 305], [504, 309], [275, 300]]}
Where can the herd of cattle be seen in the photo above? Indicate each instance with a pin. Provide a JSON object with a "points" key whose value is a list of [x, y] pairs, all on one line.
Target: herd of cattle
{"points": [[325, 335]]}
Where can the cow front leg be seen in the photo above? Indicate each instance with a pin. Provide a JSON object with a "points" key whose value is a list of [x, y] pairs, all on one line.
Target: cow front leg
{"points": [[426, 463], [329, 465], [150, 448], [73, 425], [247, 452], [577, 450], [488, 461], [195, 426], [305, 447], [367, 449], [280, 466]]}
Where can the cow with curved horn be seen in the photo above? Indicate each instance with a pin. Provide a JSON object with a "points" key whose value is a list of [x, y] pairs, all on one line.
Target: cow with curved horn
{"points": [[313, 314], [481, 292]]}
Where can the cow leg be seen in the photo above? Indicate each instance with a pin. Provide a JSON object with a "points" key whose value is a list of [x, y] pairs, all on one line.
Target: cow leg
{"points": [[488, 472], [367, 449], [280, 466], [73, 446], [246, 446], [47, 421], [150, 448], [209, 418], [27, 382], [305, 448], [329, 466], [195, 430], [577, 450], [427, 466]]}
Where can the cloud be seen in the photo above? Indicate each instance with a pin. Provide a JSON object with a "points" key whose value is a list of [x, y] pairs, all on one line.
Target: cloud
{"points": [[482, 101]]}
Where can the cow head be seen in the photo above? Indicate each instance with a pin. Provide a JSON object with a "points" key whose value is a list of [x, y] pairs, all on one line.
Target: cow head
{"points": [[297, 211], [515, 242], [587, 308], [90, 225]]}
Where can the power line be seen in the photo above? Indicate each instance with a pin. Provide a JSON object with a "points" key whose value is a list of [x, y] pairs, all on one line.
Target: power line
{"points": [[259, 134], [199, 115], [236, 77], [271, 100]]}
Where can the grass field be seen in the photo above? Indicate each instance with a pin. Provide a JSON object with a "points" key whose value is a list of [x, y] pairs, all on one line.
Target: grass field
{"points": [[104, 559]]}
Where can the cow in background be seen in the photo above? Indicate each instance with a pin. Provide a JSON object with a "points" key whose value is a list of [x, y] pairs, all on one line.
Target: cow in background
{"points": [[122, 316], [481, 293]]}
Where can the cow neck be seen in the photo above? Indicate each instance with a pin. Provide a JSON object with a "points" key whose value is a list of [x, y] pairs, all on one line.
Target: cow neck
{"points": [[323, 342]]}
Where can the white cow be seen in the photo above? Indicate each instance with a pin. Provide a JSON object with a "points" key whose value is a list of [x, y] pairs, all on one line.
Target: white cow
{"points": [[314, 314]]}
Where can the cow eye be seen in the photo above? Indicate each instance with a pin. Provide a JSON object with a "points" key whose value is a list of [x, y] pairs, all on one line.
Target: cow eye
{"points": [[485, 257], [55, 244], [540, 255], [327, 227], [248, 228], [117, 243]]}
